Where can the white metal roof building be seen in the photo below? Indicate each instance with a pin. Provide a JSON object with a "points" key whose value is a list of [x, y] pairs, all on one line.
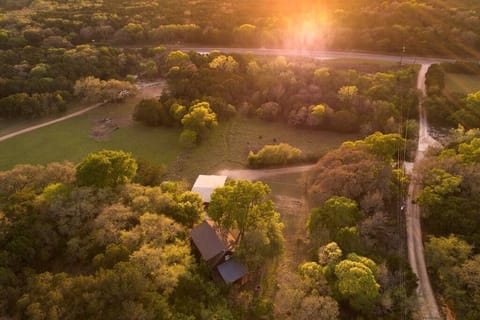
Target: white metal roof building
{"points": [[206, 184]]}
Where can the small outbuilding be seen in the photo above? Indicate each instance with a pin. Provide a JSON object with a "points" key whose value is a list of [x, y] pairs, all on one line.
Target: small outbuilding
{"points": [[206, 184], [232, 271]]}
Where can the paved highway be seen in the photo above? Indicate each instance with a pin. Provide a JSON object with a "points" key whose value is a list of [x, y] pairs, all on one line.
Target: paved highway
{"points": [[317, 54]]}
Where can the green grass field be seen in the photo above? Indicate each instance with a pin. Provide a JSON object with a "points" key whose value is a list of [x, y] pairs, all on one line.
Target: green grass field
{"points": [[9, 126], [70, 139], [461, 83], [229, 144]]}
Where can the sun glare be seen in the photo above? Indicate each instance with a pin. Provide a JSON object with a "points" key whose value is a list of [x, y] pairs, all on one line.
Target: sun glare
{"points": [[308, 32]]}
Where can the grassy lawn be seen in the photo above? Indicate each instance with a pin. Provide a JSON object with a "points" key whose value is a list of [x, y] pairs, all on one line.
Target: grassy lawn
{"points": [[9, 126], [70, 139], [462, 83], [227, 147], [362, 65]]}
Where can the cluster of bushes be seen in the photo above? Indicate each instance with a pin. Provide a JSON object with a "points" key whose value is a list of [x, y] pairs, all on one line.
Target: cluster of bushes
{"points": [[196, 120], [275, 155]]}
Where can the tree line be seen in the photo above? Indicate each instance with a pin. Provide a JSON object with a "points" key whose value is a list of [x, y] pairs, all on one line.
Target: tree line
{"points": [[450, 213], [425, 28], [35, 82], [300, 92]]}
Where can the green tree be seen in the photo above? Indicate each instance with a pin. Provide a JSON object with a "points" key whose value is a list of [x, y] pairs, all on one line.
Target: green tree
{"points": [[95, 90], [336, 213], [200, 118], [106, 168], [438, 185], [357, 284], [245, 34], [153, 113], [348, 94], [188, 139], [329, 254], [313, 277], [243, 207], [446, 252], [149, 173], [224, 63], [470, 151]]}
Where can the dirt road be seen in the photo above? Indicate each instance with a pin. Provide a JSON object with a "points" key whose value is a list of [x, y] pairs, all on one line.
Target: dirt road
{"points": [[254, 174], [426, 298]]}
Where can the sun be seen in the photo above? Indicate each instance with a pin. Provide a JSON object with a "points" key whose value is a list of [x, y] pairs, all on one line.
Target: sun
{"points": [[309, 31]]}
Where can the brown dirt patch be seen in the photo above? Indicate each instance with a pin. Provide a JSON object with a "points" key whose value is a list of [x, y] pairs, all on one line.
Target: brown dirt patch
{"points": [[103, 128]]}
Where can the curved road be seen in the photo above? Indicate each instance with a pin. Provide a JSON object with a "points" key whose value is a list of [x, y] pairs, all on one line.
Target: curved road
{"points": [[427, 302]]}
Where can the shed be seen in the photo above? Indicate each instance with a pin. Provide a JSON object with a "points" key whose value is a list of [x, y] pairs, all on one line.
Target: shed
{"points": [[206, 184], [232, 271], [211, 248]]}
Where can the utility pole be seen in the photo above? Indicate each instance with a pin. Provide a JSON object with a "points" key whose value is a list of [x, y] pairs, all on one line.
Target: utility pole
{"points": [[404, 48]]}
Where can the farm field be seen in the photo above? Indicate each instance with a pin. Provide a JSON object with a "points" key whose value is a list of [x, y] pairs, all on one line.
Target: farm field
{"points": [[461, 83]]}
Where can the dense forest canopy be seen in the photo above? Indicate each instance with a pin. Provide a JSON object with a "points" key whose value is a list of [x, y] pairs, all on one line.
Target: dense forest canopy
{"points": [[422, 27], [85, 242]]}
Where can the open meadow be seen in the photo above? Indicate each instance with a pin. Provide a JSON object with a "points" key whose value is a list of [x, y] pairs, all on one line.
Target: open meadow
{"points": [[108, 127], [461, 83]]}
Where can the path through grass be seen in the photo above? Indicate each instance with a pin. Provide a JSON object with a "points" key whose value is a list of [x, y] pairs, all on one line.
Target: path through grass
{"points": [[289, 196], [70, 139]]}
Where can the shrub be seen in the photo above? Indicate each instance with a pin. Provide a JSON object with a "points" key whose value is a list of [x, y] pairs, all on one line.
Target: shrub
{"points": [[188, 139], [273, 155]]}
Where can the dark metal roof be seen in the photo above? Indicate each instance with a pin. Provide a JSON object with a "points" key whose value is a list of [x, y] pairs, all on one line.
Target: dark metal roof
{"points": [[207, 242], [232, 271]]}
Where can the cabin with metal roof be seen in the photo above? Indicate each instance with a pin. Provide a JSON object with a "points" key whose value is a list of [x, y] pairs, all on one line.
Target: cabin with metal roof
{"points": [[213, 246], [208, 245]]}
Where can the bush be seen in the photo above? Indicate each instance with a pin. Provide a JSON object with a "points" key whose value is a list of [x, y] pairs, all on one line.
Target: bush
{"points": [[188, 139], [153, 113], [149, 173], [274, 155]]}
